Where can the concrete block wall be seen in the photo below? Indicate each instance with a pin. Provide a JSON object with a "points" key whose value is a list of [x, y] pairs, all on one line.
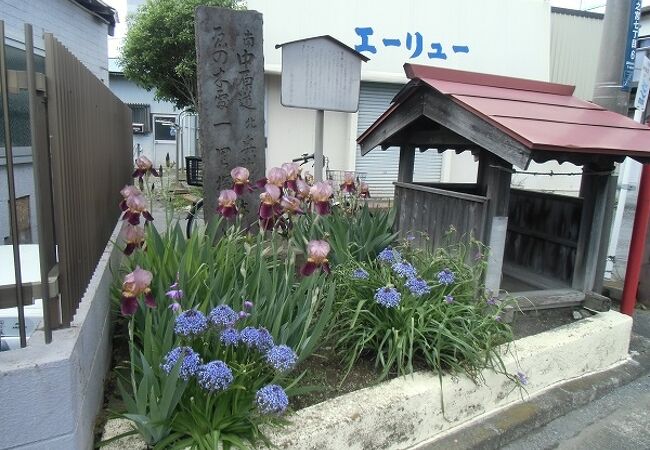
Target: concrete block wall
{"points": [[51, 394], [82, 33]]}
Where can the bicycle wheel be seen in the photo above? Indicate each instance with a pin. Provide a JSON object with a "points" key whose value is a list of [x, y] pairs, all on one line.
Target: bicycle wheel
{"points": [[195, 218]]}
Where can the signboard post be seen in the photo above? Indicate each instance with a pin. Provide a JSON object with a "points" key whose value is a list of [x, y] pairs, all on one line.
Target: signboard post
{"points": [[324, 74]]}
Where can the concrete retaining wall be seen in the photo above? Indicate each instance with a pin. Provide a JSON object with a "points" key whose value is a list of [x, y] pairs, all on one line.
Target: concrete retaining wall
{"points": [[405, 412], [51, 394]]}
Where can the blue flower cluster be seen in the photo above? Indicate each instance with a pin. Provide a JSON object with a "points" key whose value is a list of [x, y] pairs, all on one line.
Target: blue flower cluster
{"points": [[271, 399], [189, 366], [190, 323], [282, 358], [360, 274], [258, 338], [449, 299], [523, 379], [389, 255], [417, 286], [230, 337], [214, 376], [223, 316], [404, 269], [388, 297], [446, 277]]}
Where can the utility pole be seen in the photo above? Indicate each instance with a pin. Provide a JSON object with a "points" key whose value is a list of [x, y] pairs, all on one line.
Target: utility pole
{"points": [[608, 91], [612, 93]]}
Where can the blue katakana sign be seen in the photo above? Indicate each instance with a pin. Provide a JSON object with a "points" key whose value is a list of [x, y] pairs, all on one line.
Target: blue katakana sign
{"points": [[413, 42]]}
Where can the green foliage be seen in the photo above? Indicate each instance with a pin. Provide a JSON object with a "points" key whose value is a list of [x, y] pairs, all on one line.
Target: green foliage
{"points": [[151, 396], [159, 50], [213, 271], [353, 230], [458, 336]]}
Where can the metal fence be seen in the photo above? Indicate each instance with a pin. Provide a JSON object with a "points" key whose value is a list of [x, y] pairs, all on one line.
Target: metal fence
{"points": [[81, 142]]}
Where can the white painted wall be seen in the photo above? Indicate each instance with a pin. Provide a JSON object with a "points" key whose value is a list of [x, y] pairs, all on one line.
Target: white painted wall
{"points": [[505, 37], [81, 32], [128, 92], [291, 132]]}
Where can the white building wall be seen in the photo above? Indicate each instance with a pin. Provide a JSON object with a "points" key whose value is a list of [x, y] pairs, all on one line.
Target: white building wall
{"points": [[81, 32], [291, 132], [505, 37], [129, 92]]}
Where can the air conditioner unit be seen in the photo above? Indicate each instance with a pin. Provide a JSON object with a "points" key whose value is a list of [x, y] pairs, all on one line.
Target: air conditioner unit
{"points": [[138, 128]]}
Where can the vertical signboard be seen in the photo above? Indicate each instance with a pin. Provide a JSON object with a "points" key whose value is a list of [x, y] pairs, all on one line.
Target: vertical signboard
{"points": [[230, 77], [644, 85], [634, 25]]}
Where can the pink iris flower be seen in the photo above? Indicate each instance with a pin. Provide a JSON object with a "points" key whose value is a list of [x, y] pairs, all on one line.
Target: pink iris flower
{"points": [[134, 236], [363, 190], [126, 192], [227, 203], [143, 165], [291, 205], [348, 183], [277, 176], [302, 189], [240, 177], [293, 172], [269, 206], [268, 201], [317, 252], [321, 193], [135, 284], [309, 178], [136, 205]]}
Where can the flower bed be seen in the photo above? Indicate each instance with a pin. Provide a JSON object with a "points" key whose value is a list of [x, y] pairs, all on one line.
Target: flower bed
{"points": [[219, 325]]}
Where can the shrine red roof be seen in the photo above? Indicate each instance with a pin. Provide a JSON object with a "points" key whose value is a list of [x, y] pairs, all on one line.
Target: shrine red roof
{"points": [[539, 115]]}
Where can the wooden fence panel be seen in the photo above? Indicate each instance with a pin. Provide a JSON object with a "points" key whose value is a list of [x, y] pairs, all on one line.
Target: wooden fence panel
{"points": [[543, 232], [91, 151], [432, 211]]}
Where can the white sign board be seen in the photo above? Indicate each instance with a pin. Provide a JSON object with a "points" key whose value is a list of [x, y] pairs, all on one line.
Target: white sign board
{"points": [[320, 74], [644, 85]]}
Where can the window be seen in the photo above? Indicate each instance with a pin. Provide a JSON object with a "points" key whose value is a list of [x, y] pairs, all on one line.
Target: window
{"points": [[19, 102], [141, 114], [164, 128]]}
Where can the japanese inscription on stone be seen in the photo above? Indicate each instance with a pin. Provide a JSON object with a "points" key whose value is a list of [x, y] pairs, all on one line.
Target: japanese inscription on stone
{"points": [[230, 76]]}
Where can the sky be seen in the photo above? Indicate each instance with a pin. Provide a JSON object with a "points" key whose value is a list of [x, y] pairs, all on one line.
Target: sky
{"points": [[120, 6]]}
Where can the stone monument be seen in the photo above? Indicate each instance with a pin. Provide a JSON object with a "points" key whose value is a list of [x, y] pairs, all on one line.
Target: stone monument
{"points": [[230, 76]]}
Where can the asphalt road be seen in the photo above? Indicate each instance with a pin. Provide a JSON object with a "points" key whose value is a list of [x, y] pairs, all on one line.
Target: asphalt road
{"points": [[619, 420]]}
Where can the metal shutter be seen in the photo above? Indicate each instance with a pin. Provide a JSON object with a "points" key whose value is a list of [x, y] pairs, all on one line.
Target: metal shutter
{"points": [[381, 166]]}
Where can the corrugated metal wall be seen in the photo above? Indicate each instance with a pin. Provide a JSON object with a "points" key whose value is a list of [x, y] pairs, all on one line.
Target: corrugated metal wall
{"points": [[381, 166], [575, 43]]}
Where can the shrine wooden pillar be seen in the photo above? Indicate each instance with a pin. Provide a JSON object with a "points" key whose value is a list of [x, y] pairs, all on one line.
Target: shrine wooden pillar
{"points": [[594, 233], [406, 163], [493, 180]]}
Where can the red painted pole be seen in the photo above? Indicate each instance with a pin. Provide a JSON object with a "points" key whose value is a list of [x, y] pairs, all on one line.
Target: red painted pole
{"points": [[637, 244]]}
